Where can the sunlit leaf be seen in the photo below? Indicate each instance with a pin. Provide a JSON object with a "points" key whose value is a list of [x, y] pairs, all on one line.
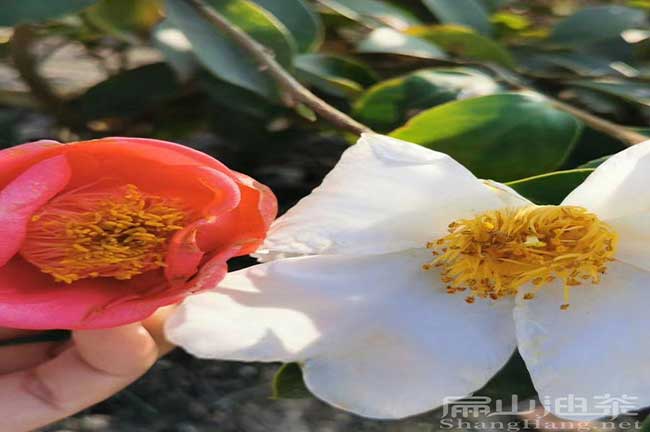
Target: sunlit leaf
{"points": [[390, 103], [221, 55], [550, 188], [341, 76], [176, 48], [373, 12], [501, 137], [125, 18], [300, 19], [20, 11], [596, 23], [389, 41], [464, 42], [470, 13]]}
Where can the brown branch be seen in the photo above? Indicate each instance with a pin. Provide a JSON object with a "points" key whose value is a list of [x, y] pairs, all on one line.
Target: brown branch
{"points": [[294, 90]]}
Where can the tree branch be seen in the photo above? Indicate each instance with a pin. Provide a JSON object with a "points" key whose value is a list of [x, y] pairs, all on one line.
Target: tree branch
{"points": [[296, 92]]}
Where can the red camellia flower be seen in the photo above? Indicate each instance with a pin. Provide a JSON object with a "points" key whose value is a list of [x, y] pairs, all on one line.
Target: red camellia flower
{"points": [[102, 233]]}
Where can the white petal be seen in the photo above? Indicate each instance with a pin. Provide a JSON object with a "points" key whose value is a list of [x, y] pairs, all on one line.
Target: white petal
{"points": [[508, 196], [377, 335], [384, 195], [618, 187], [598, 346], [633, 239]]}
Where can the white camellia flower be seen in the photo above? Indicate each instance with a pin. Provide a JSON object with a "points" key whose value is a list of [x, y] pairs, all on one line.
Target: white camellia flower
{"points": [[403, 280]]}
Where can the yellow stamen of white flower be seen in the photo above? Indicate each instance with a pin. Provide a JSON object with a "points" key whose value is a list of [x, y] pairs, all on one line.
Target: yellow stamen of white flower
{"points": [[494, 254]]}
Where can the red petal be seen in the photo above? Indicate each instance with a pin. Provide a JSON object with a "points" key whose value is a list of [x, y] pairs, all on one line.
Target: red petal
{"points": [[184, 254], [23, 196], [30, 299]]}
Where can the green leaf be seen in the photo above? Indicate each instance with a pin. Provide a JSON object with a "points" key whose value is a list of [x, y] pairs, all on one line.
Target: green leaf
{"points": [[375, 13], [176, 48], [125, 19], [550, 188], [596, 23], [512, 379], [303, 23], [129, 93], [494, 5], [595, 163], [390, 103], [469, 13], [288, 383], [389, 41], [592, 145], [464, 42], [19, 11], [635, 92], [501, 137], [235, 98], [340, 76], [223, 57]]}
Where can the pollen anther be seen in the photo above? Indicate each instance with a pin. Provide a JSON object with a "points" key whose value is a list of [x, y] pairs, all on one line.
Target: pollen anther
{"points": [[496, 253]]}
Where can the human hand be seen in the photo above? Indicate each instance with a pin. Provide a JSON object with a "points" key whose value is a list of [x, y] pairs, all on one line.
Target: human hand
{"points": [[43, 382]]}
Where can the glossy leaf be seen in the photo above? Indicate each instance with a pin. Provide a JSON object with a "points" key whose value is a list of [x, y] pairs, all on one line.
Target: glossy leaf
{"points": [[375, 13], [550, 188], [470, 13], [220, 55], [300, 19], [591, 145], [597, 23], [20, 11], [389, 41], [390, 103], [288, 383], [501, 137], [635, 92], [176, 48], [464, 42], [341, 76]]}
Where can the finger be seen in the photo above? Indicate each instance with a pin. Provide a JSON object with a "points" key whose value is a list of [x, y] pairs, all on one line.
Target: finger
{"points": [[20, 357], [155, 325], [100, 363]]}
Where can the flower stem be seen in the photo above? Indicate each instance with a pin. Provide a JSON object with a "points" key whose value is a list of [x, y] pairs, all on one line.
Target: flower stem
{"points": [[295, 93]]}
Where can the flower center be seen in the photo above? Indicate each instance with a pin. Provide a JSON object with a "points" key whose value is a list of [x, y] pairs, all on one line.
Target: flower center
{"points": [[117, 233], [497, 252]]}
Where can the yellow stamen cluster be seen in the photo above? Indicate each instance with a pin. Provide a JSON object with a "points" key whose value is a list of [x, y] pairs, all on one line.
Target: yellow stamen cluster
{"points": [[494, 254], [117, 233]]}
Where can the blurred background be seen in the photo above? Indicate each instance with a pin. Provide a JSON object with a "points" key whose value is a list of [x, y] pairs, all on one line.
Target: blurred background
{"points": [[483, 80]]}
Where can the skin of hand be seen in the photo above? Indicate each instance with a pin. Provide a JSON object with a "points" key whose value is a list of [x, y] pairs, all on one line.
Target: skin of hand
{"points": [[41, 383]]}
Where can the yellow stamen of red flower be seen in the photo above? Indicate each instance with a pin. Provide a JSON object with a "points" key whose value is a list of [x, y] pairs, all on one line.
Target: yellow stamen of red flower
{"points": [[118, 233], [494, 254]]}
